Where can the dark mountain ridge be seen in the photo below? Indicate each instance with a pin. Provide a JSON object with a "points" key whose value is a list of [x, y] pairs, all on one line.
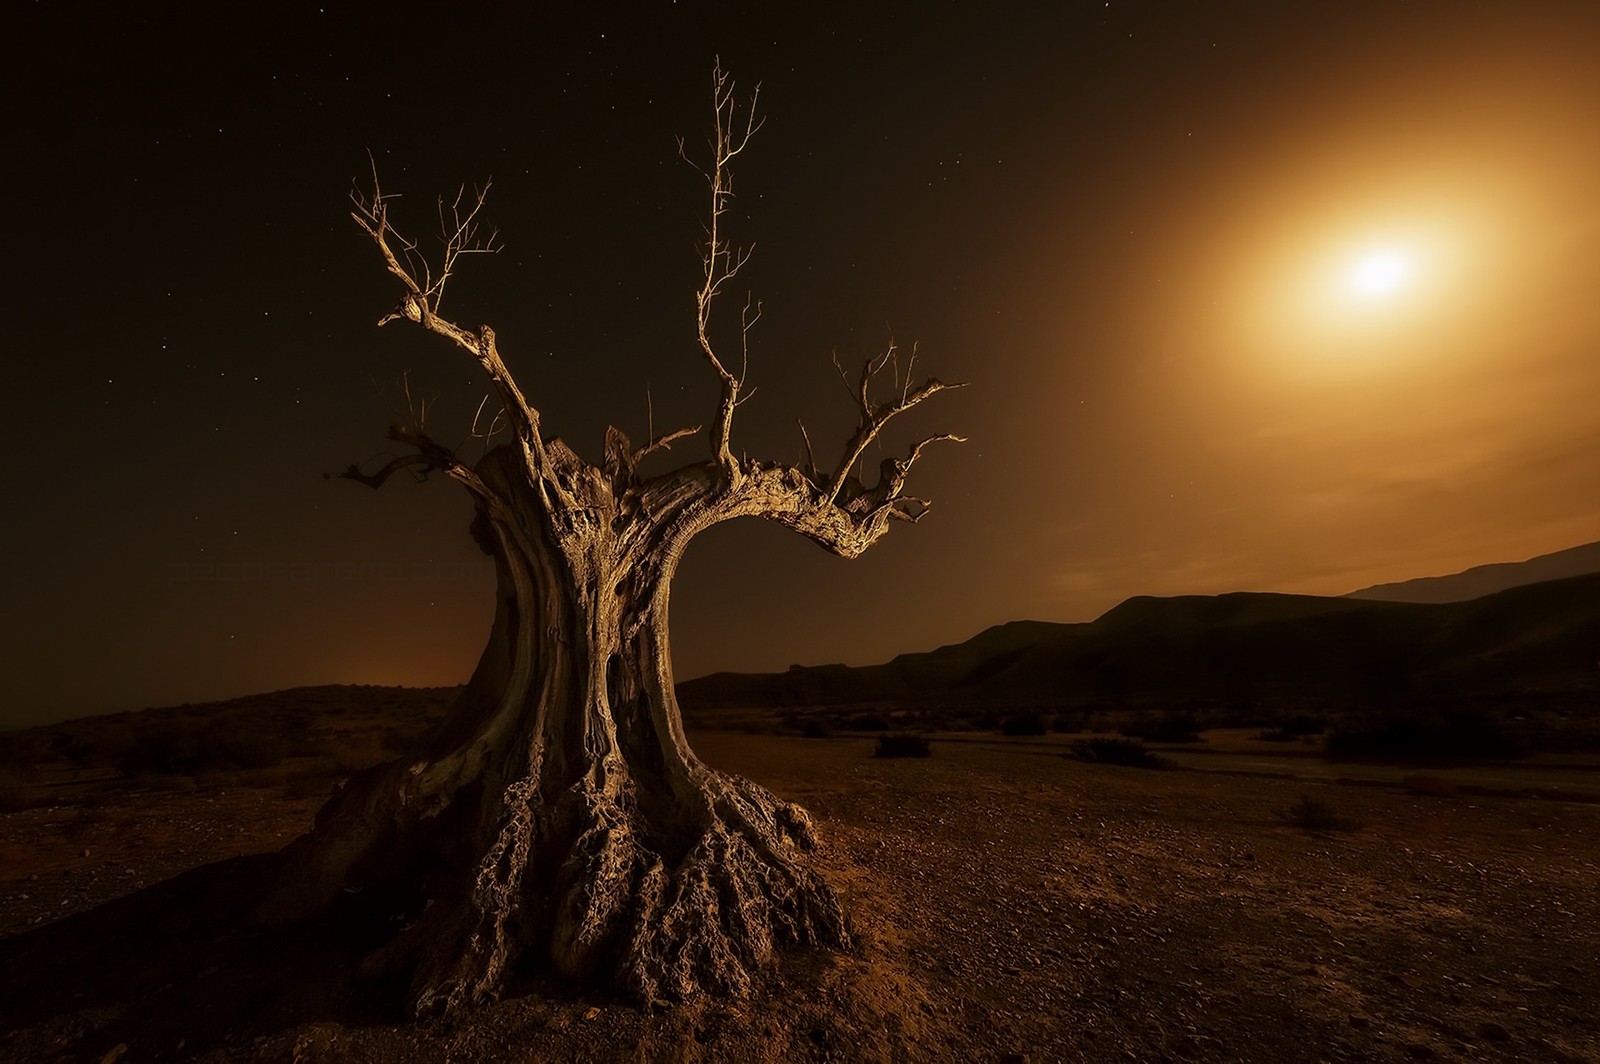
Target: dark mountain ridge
{"points": [[1242, 648], [1483, 580]]}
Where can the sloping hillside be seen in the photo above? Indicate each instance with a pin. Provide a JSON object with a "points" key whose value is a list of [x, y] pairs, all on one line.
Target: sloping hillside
{"points": [[1243, 648], [1487, 579]]}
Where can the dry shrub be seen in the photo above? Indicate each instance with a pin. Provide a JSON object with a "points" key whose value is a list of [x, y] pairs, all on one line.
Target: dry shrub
{"points": [[1452, 734], [1129, 753], [1025, 724], [1314, 814], [1173, 726], [816, 728], [902, 745]]}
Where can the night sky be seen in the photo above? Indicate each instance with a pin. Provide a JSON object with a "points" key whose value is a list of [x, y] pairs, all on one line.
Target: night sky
{"points": [[1251, 296]]}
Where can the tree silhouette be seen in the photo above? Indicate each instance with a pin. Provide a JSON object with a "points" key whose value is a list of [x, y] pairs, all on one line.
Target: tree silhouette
{"points": [[558, 814]]}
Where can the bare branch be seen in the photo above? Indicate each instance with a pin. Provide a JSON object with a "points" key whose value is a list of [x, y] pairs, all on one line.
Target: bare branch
{"points": [[416, 405], [486, 434], [419, 303], [874, 416], [844, 377], [943, 437], [721, 260], [811, 458], [393, 466], [472, 433], [460, 236], [622, 458], [429, 455], [663, 441], [909, 508], [655, 443], [747, 321]]}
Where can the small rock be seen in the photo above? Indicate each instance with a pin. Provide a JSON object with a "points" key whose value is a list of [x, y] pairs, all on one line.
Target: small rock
{"points": [[1360, 1023], [1490, 1031], [592, 1013], [1418, 1051], [114, 1054]]}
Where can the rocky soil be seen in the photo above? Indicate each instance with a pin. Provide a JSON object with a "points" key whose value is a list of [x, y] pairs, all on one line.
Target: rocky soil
{"points": [[1012, 905]]}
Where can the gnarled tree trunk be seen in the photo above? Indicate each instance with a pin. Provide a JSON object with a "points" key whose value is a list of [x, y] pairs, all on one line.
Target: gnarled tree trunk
{"points": [[559, 815]]}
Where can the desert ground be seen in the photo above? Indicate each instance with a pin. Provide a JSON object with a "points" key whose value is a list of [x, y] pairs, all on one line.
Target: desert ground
{"points": [[1011, 904]]}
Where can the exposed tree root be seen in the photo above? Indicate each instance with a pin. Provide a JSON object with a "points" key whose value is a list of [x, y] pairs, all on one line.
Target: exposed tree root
{"points": [[742, 892], [596, 889]]}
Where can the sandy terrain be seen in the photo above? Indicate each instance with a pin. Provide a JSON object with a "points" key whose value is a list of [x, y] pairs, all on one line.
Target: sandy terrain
{"points": [[1012, 904]]}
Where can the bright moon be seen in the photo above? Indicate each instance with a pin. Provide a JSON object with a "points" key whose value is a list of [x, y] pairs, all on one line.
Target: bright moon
{"points": [[1380, 273]]}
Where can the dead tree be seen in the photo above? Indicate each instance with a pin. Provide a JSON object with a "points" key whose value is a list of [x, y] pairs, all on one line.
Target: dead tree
{"points": [[558, 816]]}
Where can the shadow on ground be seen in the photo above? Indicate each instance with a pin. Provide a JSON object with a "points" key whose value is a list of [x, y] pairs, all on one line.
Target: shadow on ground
{"points": [[179, 966]]}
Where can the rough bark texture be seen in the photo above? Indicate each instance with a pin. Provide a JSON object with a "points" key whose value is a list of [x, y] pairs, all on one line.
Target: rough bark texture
{"points": [[559, 816]]}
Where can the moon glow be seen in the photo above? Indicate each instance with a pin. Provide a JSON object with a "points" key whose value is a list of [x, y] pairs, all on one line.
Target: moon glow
{"points": [[1380, 273]]}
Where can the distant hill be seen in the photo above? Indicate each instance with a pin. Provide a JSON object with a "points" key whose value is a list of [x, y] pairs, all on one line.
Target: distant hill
{"points": [[1241, 648], [1483, 580], [1533, 644], [343, 726]]}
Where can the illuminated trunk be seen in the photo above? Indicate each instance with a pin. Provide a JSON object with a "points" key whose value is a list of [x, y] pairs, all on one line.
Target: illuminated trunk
{"points": [[559, 815]]}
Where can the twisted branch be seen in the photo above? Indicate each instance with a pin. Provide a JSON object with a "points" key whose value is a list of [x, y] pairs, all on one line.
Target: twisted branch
{"points": [[424, 288], [874, 416], [836, 507], [722, 260], [428, 455]]}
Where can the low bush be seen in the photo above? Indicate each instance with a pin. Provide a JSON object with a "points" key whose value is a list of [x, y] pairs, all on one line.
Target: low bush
{"points": [[1420, 736], [902, 745], [1314, 814], [1130, 753], [1024, 724], [1070, 721], [1172, 727], [816, 728], [1304, 724], [867, 722]]}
